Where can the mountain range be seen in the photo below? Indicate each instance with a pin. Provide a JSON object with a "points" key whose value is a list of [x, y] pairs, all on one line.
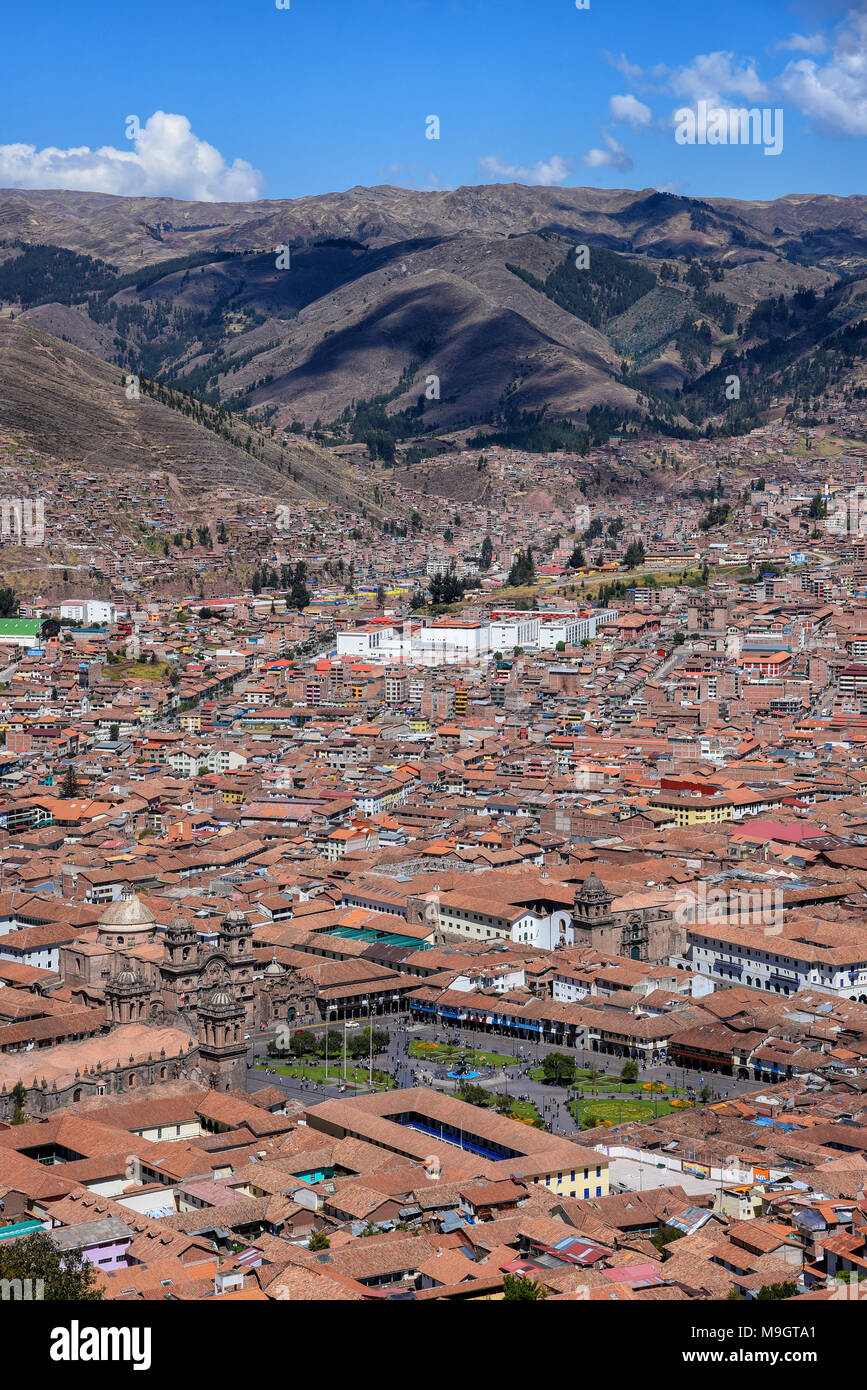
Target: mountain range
{"points": [[395, 315]]}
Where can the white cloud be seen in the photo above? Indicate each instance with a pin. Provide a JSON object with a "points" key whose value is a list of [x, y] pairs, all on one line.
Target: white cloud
{"points": [[166, 160], [633, 72], [801, 43], [630, 70], [831, 90], [415, 176], [544, 171], [834, 94], [630, 110], [710, 76], [613, 156]]}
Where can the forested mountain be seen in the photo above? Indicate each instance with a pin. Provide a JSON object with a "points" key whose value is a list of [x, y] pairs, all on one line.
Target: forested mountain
{"points": [[545, 315]]}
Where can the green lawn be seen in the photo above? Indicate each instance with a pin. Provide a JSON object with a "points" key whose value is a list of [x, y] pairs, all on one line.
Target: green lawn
{"points": [[524, 1110], [600, 1084], [313, 1072], [444, 1054], [136, 671], [615, 1112], [518, 1109]]}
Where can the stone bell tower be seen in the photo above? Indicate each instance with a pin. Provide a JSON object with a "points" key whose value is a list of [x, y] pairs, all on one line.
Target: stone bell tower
{"points": [[222, 1046], [236, 944], [592, 907], [236, 935], [127, 997]]}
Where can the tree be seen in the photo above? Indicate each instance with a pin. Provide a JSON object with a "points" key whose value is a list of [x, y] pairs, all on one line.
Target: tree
{"points": [[319, 1241], [704, 1094], [335, 1044], [629, 1072], [523, 569], [19, 1100], [487, 554], [68, 1276], [299, 597], [773, 1293], [70, 786], [634, 555], [576, 559], [473, 1095], [114, 733], [665, 1236], [516, 1287], [8, 603], [559, 1069], [303, 1044], [446, 588]]}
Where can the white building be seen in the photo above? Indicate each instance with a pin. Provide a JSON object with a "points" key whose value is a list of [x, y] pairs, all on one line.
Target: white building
{"points": [[509, 630], [379, 640], [449, 640], [780, 958], [571, 628], [91, 611]]}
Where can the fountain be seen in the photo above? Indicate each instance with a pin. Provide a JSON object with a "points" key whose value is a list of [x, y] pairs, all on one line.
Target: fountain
{"points": [[463, 1071]]}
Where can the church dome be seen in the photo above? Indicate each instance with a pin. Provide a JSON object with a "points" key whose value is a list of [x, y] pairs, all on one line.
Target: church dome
{"points": [[179, 926], [126, 977], [593, 887], [128, 915]]}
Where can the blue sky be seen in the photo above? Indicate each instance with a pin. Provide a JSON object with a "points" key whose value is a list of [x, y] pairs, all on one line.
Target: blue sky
{"points": [[260, 101]]}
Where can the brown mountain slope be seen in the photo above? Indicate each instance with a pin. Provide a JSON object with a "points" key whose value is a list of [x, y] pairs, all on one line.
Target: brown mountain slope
{"points": [[70, 406], [131, 232], [411, 301]]}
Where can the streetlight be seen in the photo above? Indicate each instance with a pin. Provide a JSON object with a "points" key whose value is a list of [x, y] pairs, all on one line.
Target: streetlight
{"points": [[330, 1007]]}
